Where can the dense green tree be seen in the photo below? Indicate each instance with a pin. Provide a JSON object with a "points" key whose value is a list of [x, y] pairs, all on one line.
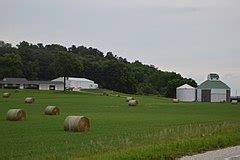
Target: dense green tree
{"points": [[10, 66], [66, 65]]}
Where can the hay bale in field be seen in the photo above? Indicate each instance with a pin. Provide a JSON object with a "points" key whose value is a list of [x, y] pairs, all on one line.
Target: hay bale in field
{"points": [[6, 95], [133, 102], [129, 98], [76, 124], [176, 101], [29, 100], [52, 110], [16, 115], [234, 102]]}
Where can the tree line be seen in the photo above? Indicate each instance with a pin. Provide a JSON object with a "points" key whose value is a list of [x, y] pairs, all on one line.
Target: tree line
{"points": [[39, 62]]}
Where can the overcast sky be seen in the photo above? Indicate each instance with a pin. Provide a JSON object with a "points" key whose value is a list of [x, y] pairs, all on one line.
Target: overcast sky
{"points": [[190, 37]]}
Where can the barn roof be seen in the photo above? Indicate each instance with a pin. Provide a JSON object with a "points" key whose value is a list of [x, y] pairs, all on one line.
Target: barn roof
{"points": [[14, 80], [25, 81], [208, 84], [186, 86], [73, 79]]}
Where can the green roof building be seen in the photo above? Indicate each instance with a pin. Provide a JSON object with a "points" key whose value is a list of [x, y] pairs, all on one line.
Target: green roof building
{"points": [[213, 90]]}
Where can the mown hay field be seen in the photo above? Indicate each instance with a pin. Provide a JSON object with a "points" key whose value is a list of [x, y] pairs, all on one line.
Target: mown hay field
{"points": [[156, 128]]}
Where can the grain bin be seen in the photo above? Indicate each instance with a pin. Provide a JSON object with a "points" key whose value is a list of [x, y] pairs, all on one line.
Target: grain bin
{"points": [[76, 124], [6, 95], [29, 100], [16, 115], [52, 110], [186, 93]]}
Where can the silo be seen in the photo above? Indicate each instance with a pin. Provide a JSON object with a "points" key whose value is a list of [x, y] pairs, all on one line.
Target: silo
{"points": [[186, 93]]}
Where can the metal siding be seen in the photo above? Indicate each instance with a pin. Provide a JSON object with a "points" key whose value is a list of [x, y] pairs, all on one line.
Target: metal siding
{"points": [[218, 91], [218, 95], [43, 87], [59, 87], [80, 84], [186, 94], [199, 95]]}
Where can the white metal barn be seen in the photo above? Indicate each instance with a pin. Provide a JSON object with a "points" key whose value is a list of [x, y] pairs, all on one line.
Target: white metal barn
{"points": [[213, 90], [77, 83], [186, 93]]}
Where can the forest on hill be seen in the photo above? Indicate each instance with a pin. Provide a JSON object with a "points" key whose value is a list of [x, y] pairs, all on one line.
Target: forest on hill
{"points": [[46, 62]]}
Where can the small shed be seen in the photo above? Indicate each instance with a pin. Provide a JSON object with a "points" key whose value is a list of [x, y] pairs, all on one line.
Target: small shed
{"points": [[186, 93]]}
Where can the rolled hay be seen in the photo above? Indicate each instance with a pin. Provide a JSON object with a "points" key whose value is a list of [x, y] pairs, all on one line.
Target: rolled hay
{"points": [[52, 110], [16, 115], [133, 102], [234, 102], [6, 95], [29, 100], [76, 124], [129, 98], [175, 100]]}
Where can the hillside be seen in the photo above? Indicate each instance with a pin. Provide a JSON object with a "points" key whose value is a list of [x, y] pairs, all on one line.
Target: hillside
{"points": [[39, 62]]}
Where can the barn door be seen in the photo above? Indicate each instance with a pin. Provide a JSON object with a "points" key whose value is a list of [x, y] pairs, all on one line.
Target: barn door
{"points": [[206, 95]]}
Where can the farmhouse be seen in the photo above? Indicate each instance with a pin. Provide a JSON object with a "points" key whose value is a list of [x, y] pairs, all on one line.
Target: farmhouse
{"points": [[77, 83], [23, 83], [186, 93], [213, 90]]}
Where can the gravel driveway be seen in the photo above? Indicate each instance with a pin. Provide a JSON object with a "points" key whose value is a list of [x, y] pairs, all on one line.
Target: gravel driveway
{"points": [[231, 153]]}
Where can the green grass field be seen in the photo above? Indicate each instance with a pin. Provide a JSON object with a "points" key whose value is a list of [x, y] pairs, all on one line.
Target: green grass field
{"points": [[156, 129]]}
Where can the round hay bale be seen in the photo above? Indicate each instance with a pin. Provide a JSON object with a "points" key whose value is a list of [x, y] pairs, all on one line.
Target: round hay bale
{"points": [[129, 98], [6, 95], [29, 100], [175, 100], [16, 115], [76, 124], [52, 110], [234, 102], [133, 103]]}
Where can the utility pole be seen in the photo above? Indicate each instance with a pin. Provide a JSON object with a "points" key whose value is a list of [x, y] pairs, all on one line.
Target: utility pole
{"points": [[64, 83]]}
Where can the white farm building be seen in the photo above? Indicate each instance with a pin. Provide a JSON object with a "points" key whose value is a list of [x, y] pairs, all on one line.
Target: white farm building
{"points": [[213, 90], [77, 83], [186, 93], [23, 83]]}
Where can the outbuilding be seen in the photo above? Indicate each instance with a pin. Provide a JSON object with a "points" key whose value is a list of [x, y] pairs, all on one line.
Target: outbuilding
{"points": [[23, 83], [77, 83], [213, 90], [186, 93]]}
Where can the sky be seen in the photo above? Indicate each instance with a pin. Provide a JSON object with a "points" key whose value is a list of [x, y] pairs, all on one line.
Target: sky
{"points": [[190, 37]]}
